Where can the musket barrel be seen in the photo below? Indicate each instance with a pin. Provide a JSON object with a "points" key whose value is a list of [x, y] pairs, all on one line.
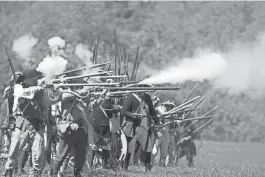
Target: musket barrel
{"points": [[142, 88], [84, 68], [88, 84], [82, 76], [113, 77]]}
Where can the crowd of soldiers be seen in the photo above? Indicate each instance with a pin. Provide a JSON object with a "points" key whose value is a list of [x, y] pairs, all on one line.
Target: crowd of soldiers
{"points": [[51, 126]]}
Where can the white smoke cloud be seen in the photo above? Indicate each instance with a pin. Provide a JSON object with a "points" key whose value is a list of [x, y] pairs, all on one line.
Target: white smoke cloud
{"points": [[245, 69], [23, 47], [84, 53], [51, 66], [240, 70], [205, 66]]}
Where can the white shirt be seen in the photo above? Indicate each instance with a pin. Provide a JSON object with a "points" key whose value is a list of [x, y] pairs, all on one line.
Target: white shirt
{"points": [[20, 92]]}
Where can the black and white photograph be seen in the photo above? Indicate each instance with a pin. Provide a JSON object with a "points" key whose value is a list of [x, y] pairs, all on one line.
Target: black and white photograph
{"points": [[132, 88]]}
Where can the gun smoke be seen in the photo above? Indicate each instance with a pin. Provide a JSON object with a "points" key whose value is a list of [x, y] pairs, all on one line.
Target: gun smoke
{"points": [[240, 70], [83, 52], [23, 48], [51, 66]]}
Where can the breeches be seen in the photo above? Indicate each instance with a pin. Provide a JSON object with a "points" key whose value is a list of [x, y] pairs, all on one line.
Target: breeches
{"points": [[76, 140], [141, 136], [28, 140], [102, 138], [163, 144]]}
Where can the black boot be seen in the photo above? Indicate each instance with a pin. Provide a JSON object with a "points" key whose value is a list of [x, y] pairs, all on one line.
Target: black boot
{"points": [[148, 166], [105, 157], [127, 161]]}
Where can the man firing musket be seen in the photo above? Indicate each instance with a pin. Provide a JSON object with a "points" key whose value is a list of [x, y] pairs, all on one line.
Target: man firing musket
{"points": [[30, 104], [166, 141], [136, 128], [103, 111], [73, 130]]}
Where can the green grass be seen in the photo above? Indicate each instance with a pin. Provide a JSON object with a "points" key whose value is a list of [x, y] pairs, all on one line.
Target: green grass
{"points": [[213, 160]]}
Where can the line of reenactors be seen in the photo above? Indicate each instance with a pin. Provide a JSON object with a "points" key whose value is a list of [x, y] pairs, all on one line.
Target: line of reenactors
{"points": [[52, 125]]}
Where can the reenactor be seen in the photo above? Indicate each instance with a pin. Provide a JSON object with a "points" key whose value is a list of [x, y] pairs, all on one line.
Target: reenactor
{"points": [[30, 105], [186, 145], [137, 124], [73, 130], [104, 123]]}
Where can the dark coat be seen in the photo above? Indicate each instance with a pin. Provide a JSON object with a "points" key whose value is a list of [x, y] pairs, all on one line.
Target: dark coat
{"points": [[131, 105]]}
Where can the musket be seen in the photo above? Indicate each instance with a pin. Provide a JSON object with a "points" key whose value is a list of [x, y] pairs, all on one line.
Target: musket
{"points": [[204, 125], [86, 84], [85, 68], [80, 77], [177, 110], [204, 115], [135, 63], [126, 92], [136, 70], [190, 93], [124, 61], [127, 65], [188, 102], [154, 94], [115, 46], [11, 64], [141, 88], [96, 51], [128, 82], [92, 85], [120, 60], [113, 77], [195, 106], [190, 119], [177, 120]]}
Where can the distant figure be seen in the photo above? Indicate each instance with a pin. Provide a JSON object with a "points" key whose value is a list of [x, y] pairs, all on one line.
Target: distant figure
{"points": [[186, 145], [137, 128]]}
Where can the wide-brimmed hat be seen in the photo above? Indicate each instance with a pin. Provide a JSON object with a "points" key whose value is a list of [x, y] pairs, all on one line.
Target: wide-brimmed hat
{"points": [[32, 75], [20, 77]]}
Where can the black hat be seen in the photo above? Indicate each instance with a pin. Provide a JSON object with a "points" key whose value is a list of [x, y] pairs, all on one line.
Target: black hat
{"points": [[32, 75]]}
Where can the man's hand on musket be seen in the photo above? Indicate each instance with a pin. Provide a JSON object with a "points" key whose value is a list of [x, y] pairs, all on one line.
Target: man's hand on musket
{"points": [[136, 115], [84, 92], [74, 126], [117, 107]]}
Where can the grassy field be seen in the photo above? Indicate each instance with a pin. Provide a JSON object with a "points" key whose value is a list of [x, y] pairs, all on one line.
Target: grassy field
{"points": [[214, 159]]}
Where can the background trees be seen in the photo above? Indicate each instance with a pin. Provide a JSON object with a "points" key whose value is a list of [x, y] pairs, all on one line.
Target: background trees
{"points": [[163, 30]]}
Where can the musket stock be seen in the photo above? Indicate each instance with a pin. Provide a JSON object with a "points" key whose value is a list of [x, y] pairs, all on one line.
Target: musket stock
{"points": [[84, 68]]}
